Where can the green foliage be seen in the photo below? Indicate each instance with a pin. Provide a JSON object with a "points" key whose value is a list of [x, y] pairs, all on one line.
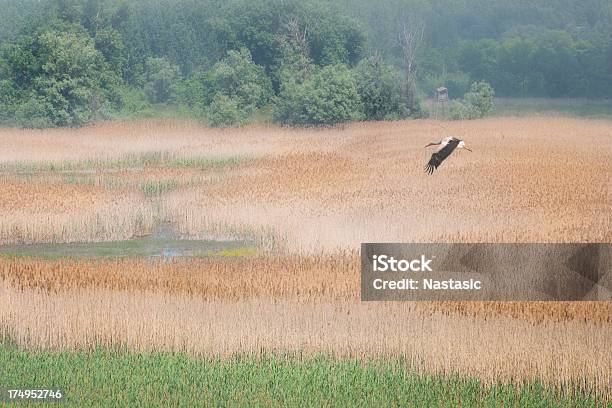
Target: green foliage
{"points": [[68, 62], [544, 63], [477, 103], [328, 97], [459, 110], [70, 77], [225, 111], [162, 78], [480, 98], [457, 83], [238, 78], [294, 63], [190, 91], [133, 103], [109, 42], [60, 77], [34, 112], [334, 96], [383, 90], [292, 104], [232, 90], [155, 188], [106, 378], [7, 100], [294, 71]]}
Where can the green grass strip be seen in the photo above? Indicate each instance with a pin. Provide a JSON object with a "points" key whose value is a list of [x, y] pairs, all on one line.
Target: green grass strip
{"points": [[127, 161], [107, 378]]}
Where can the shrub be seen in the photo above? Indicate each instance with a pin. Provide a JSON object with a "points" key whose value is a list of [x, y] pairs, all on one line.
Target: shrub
{"points": [[190, 92], [59, 78], [34, 113], [291, 105], [382, 90], [460, 110], [480, 98], [334, 96], [477, 103], [162, 78], [329, 97], [240, 79], [7, 100], [134, 103], [224, 111]]}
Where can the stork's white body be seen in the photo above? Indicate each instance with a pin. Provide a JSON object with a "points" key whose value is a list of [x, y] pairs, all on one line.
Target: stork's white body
{"points": [[447, 146], [446, 140]]}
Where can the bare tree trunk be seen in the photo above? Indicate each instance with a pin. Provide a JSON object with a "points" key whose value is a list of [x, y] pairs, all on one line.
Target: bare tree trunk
{"points": [[296, 50], [298, 36], [410, 39]]}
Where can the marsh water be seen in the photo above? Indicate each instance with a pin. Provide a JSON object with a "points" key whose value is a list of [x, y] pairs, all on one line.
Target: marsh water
{"points": [[164, 243]]}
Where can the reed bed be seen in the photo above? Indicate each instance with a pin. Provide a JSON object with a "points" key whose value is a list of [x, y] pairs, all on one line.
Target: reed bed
{"points": [[116, 141], [309, 197], [219, 278], [496, 349], [34, 213], [323, 278], [528, 180], [517, 186]]}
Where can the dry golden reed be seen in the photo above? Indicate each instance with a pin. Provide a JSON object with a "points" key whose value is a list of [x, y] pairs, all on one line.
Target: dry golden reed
{"points": [[34, 213], [309, 197], [274, 277], [528, 180], [324, 278], [494, 349]]}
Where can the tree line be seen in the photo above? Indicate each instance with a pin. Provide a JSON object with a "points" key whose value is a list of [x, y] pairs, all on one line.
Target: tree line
{"points": [[314, 62]]}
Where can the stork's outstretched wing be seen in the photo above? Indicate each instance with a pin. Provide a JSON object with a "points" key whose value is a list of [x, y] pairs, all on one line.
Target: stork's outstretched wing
{"points": [[438, 157]]}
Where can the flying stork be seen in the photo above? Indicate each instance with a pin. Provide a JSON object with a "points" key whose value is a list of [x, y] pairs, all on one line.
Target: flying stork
{"points": [[447, 146]]}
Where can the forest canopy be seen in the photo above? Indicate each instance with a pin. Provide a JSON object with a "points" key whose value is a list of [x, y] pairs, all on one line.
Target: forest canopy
{"points": [[68, 62]]}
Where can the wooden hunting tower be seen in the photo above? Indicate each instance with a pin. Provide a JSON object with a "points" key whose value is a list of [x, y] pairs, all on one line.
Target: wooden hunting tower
{"points": [[441, 102]]}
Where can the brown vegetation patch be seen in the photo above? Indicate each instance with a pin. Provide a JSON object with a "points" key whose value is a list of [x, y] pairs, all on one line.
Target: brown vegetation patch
{"points": [[495, 349], [296, 278]]}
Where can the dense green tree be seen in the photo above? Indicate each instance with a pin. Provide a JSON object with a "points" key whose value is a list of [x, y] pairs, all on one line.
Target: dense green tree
{"points": [[7, 100], [291, 105], [66, 62], [225, 111], [334, 96], [34, 111], [70, 79], [162, 78], [190, 92], [192, 34], [60, 74], [480, 98], [329, 97], [239, 78], [110, 43], [294, 63], [383, 90], [479, 58], [477, 103]]}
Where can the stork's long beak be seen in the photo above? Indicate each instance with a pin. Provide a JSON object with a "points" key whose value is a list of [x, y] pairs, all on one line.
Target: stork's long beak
{"points": [[433, 144]]}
